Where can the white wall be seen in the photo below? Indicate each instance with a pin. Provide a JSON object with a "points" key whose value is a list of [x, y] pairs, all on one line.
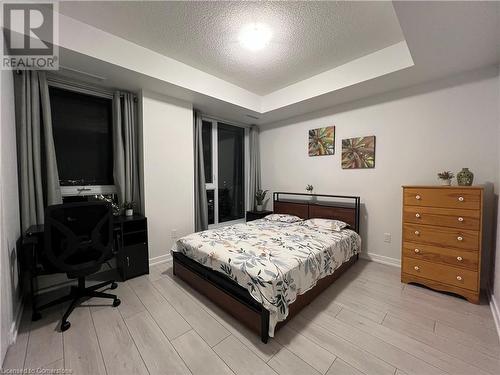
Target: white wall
{"points": [[445, 125], [9, 213], [496, 276], [168, 171]]}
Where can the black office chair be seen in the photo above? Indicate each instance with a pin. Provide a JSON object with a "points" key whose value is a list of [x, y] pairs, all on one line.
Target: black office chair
{"points": [[78, 239]]}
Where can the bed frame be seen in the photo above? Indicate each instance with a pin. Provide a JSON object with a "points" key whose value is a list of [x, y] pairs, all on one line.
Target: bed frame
{"points": [[235, 299]]}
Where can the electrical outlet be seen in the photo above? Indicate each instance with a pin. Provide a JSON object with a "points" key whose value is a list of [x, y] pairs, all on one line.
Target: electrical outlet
{"points": [[387, 237], [174, 234]]}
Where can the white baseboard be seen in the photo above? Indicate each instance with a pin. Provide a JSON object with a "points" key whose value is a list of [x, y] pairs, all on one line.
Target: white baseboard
{"points": [[495, 310], [161, 259], [14, 328], [381, 259]]}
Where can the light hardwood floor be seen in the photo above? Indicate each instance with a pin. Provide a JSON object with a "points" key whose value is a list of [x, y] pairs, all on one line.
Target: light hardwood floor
{"points": [[365, 323]]}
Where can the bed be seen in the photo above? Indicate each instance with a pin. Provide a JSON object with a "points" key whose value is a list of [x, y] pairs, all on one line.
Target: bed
{"points": [[265, 271]]}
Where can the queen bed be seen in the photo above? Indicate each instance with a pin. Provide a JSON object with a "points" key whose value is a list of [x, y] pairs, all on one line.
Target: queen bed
{"points": [[265, 271]]}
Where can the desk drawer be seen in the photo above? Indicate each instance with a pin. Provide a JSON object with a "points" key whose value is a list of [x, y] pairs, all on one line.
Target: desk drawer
{"points": [[440, 236], [469, 199], [449, 275], [453, 257], [133, 261], [446, 217]]}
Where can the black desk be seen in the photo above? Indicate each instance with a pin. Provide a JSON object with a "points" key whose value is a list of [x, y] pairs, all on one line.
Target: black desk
{"points": [[130, 247]]}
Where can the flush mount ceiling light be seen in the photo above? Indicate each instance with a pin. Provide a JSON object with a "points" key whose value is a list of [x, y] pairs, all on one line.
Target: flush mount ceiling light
{"points": [[255, 36]]}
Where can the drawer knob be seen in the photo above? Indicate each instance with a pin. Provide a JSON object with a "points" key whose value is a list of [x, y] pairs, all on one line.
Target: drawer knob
{"points": [[459, 259], [417, 215], [460, 219], [460, 199], [417, 233], [459, 278], [416, 268], [417, 251], [460, 238], [417, 197]]}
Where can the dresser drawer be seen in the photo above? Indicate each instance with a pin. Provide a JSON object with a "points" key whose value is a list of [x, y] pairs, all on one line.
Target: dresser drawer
{"points": [[441, 236], [469, 199], [446, 274], [434, 254], [446, 217]]}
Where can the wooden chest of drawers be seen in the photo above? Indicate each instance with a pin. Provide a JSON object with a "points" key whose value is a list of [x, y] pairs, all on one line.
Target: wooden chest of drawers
{"points": [[442, 231]]}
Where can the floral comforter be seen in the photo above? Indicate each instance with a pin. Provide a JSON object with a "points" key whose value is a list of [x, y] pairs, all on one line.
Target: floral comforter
{"points": [[274, 261]]}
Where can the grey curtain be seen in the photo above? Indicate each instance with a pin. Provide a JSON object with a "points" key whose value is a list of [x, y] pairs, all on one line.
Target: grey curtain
{"points": [[126, 149], [254, 183], [200, 192], [38, 175], [237, 188]]}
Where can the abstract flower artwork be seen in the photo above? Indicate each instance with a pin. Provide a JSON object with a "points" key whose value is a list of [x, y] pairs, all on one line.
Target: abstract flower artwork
{"points": [[322, 141], [358, 152]]}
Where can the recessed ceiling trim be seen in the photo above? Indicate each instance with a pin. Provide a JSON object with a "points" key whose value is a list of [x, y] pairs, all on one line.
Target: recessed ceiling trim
{"points": [[82, 73], [80, 37], [445, 39], [306, 38], [376, 64]]}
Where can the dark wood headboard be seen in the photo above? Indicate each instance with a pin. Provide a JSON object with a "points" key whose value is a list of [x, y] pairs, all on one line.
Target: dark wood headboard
{"points": [[319, 206]]}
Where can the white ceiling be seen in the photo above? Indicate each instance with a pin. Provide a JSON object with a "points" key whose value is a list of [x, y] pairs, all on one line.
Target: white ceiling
{"points": [[444, 39], [308, 37]]}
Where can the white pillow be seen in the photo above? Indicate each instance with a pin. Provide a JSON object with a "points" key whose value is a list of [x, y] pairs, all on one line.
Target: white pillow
{"points": [[335, 225], [283, 218]]}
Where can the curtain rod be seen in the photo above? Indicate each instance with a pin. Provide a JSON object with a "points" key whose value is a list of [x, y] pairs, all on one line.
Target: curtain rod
{"points": [[71, 83], [218, 119], [77, 85]]}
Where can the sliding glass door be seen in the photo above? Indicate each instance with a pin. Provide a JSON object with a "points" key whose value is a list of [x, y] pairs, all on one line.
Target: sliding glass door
{"points": [[225, 171], [230, 172]]}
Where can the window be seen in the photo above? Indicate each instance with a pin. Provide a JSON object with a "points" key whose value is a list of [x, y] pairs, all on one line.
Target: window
{"points": [[225, 170], [82, 129]]}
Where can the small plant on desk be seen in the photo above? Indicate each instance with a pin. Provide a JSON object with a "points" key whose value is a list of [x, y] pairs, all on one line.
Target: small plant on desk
{"points": [[260, 195], [309, 189], [129, 208]]}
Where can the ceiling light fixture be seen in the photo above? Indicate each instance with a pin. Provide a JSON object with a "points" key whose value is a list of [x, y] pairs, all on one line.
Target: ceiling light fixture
{"points": [[255, 36]]}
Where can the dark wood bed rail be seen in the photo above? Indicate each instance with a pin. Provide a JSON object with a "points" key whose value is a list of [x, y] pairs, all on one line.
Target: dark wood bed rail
{"points": [[237, 301], [321, 206]]}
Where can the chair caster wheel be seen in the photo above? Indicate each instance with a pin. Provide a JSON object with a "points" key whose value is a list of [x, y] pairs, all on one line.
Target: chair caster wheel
{"points": [[65, 326], [36, 316], [113, 286], [116, 302]]}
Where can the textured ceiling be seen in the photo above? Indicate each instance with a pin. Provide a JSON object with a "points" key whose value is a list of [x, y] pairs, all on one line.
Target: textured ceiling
{"points": [[308, 37]]}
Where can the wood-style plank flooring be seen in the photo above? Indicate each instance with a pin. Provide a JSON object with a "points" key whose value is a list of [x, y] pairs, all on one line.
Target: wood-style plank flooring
{"points": [[365, 323]]}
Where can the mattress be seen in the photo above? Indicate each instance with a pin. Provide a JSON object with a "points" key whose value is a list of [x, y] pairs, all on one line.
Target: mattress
{"points": [[274, 261]]}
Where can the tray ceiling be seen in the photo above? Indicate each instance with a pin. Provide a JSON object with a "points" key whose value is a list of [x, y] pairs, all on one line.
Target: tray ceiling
{"points": [[308, 38]]}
